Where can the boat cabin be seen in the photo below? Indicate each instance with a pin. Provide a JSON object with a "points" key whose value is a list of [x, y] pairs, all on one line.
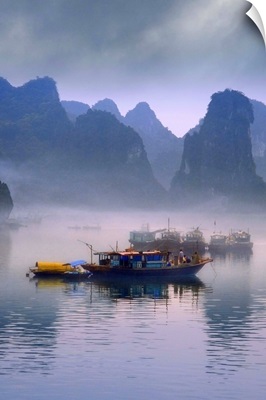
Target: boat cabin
{"points": [[194, 235], [218, 239], [239, 237], [141, 236], [133, 259]]}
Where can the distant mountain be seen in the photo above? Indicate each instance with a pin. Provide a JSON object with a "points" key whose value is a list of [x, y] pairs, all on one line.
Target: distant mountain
{"points": [[37, 96], [217, 160], [109, 105], [34, 129], [114, 162], [159, 145], [95, 161], [163, 148], [31, 119], [6, 202], [258, 137], [30, 115], [74, 108], [98, 158]]}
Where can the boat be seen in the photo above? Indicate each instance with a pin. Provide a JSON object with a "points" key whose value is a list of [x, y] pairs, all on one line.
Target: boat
{"points": [[153, 263], [239, 240], [194, 240], [166, 239], [218, 242], [70, 270]]}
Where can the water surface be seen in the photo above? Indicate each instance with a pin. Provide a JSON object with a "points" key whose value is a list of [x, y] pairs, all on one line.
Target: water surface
{"points": [[203, 339]]}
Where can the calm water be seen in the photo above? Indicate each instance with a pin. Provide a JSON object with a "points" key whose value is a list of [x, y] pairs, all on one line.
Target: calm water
{"points": [[204, 339]]}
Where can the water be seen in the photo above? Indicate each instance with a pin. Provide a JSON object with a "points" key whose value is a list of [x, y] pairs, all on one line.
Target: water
{"points": [[204, 339]]}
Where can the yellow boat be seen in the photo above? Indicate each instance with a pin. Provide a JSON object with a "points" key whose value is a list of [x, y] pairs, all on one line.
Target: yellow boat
{"points": [[48, 268]]}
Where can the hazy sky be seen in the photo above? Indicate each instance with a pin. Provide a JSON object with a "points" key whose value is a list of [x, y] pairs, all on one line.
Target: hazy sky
{"points": [[173, 54]]}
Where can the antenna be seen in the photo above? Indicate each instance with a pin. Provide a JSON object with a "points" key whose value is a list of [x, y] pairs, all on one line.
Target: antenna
{"points": [[89, 246]]}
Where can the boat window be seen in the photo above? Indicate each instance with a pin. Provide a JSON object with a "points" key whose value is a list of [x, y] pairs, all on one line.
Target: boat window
{"points": [[154, 257]]}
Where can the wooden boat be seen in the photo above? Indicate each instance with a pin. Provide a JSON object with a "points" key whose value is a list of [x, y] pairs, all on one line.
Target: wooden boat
{"points": [[71, 270], [143, 264], [218, 242], [238, 240], [167, 239], [194, 240]]}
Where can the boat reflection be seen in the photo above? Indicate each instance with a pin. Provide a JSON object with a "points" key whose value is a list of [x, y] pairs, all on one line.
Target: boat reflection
{"points": [[54, 283], [232, 256], [124, 288], [234, 317], [148, 288]]}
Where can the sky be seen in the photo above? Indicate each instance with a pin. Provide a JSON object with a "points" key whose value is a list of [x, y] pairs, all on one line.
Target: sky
{"points": [[172, 54]]}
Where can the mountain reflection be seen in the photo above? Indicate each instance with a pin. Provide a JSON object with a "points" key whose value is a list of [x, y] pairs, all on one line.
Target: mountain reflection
{"points": [[232, 320]]}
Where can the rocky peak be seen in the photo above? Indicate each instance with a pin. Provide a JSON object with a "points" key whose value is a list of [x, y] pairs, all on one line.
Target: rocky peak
{"points": [[144, 119], [143, 109], [74, 108], [163, 148], [6, 202], [42, 88], [33, 97], [4, 86], [258, 129], [108, 105], [229, 105], [218, 158]]}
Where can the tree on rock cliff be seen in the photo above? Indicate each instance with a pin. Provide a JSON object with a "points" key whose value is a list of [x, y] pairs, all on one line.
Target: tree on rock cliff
{"points": [[217, 159]]}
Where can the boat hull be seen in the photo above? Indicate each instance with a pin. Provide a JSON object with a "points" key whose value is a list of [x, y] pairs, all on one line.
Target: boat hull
{"points": [[235, 247], [240, 246], [66, 276], [191, 247], [77, 275], [184, 270]]}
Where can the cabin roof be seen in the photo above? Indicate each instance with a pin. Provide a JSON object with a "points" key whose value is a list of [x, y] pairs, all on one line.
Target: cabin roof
{"points": [[127, 253]]}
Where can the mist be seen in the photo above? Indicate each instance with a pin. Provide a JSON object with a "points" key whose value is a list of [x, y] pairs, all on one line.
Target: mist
{"points": [[61, 233]]}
